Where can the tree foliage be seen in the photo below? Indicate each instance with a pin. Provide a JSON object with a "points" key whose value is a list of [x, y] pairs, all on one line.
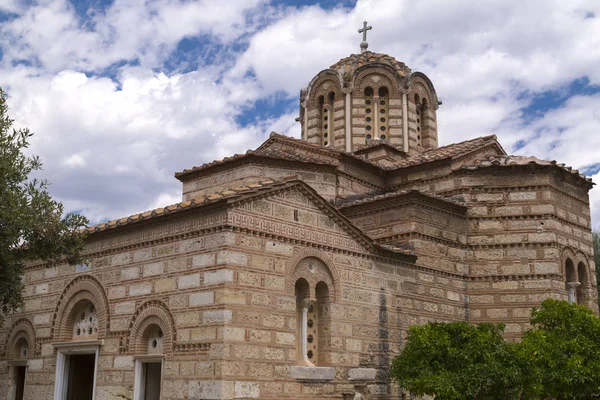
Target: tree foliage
{"points": [[458, 361], [33, 226], [564, 348], [559, 357]]}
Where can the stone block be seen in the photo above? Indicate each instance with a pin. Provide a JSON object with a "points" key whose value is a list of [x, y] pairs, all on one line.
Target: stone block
{"points": [[123, 362], [246, 390], [232, 333], [279, 248], [203, 260], [42, 319], [362, 374], [232, 257], [140, 289], [216, 277], [217, 316], [313, 373], [126, 307], [130, 273], [154, 269], [201, 299], [142, 255], [188, 281], [187, 319], [164, 285], [210, 390], [522, 196], [285, 338], [42, 289]]}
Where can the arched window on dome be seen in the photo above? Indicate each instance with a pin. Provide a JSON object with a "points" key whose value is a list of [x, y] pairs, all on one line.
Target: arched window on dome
{"points": [[420, 116], [383, 108], [369, 122], [327, 118]]}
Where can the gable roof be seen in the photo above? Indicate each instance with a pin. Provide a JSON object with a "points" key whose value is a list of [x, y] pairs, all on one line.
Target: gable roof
{"points": [[328, 156], [241, 194], [371, 198], [511, 160], [451, 151], [269, 153]]}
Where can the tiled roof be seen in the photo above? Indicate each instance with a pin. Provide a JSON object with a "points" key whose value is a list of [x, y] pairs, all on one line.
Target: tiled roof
{"points": [[373, 197], [260, 152], [232, 194], [508, 160], [450, 151], [355, 61], [264, 150], [196, 202]]}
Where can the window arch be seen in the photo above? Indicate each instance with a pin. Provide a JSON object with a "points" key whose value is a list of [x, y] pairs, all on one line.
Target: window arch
{"points": [[421, 107], [83, 291], [84, 319], [572, 282], [312, 283], [20, 342], [369, 122], [582, 290], [152, 329], [383, 111]]}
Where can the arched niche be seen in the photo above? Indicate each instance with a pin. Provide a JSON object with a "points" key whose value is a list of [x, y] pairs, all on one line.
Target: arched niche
{"points": [[84, 295], [20, 342], [152, 329], [314, 266]]}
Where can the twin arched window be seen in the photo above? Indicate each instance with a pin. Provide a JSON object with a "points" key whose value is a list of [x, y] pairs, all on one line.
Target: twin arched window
{"points": [[576, 282], [422, 114], [327, 117], [376, 113], [313, 323]]}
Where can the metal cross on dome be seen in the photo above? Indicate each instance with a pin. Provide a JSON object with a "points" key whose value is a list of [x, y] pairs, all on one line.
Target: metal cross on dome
{"points": [[364, 45]]}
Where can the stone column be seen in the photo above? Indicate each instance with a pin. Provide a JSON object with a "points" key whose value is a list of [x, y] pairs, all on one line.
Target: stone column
{"points": [[572, 291], [405, 122]]}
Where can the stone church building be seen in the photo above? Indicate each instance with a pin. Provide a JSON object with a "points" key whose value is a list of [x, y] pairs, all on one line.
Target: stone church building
{"points": [[293, 271]]}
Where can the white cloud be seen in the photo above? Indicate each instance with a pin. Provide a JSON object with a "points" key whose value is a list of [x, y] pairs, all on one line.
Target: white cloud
{"points": [[111, 143]]}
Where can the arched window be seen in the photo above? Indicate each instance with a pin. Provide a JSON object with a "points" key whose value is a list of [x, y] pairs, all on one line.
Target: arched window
{"points": [[85, 321], [420, 111], [571, 281], [154, 338], [383, 108], [323, 323], [305, 323], [23, 348], [369, 107], [326, 118], [584, 282]]}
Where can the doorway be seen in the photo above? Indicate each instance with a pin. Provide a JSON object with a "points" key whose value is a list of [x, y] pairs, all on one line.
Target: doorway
{"points": [[20, 382], [148, 380], [80, 376], [152, 381]]}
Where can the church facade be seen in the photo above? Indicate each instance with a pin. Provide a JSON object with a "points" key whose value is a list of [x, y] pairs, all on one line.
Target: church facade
{"points": [[294, 270]]}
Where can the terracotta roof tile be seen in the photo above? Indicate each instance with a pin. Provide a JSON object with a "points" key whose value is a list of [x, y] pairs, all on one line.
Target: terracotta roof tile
{"points": [[450, 151], [508, 160], [266, 152], [373, 197], [196, 202], [355, 61]]}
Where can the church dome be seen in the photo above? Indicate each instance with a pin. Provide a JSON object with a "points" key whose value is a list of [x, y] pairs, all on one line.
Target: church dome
{"points": [[347, 65]]}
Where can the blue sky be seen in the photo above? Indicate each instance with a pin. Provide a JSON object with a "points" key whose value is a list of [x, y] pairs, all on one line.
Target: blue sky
{"points": [[123, 93]]}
